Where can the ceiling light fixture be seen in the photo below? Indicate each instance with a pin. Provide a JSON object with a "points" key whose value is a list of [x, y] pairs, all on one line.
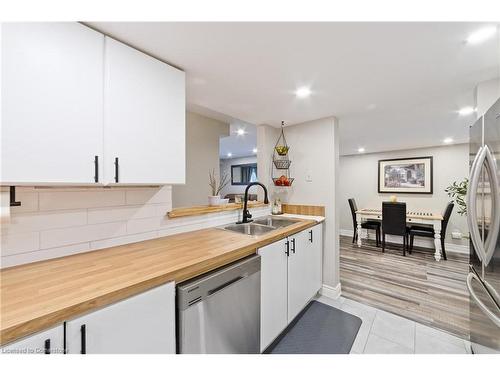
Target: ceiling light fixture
{"points": [[254, 150], [361, 149], [447, 140], [466, 111], [303, 92], [240, 132], [481, 35], [229, 154]]}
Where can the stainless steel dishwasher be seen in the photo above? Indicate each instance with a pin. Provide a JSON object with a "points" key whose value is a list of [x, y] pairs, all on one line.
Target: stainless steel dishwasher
{"points": [[220, 312]]}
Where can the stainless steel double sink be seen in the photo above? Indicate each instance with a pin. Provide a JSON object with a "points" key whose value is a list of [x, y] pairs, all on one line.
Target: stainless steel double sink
{"points": [[260, 226]]}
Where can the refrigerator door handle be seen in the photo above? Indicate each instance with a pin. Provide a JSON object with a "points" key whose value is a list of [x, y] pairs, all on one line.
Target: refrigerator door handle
{"points": [[493, 317], [491, 241], [471, 203]]}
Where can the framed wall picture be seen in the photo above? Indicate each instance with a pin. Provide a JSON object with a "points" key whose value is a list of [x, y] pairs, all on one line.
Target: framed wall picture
{"points": [[405, 176]]}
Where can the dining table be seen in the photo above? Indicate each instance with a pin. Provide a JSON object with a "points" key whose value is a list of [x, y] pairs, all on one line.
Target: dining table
{"points": [[412, 217]]}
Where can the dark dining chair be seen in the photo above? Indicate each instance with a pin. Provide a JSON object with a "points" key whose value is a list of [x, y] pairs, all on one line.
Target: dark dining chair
{"points": [[394, 222], [428, 231], [369, 224]]}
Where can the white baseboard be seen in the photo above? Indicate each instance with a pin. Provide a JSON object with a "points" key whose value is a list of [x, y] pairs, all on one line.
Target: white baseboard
{"points": [[428, 243], [332, 292]]}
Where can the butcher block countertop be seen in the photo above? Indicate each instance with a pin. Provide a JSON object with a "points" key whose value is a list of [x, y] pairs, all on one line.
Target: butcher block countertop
{"points": [[37, 296]]}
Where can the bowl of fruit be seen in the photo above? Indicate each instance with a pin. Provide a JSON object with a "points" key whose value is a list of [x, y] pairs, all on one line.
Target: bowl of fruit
{"points": [[283, 181], [282, 150]]}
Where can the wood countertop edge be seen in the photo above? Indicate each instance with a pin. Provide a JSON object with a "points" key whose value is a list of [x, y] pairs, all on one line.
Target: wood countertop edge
{"points": [[51, 319]]}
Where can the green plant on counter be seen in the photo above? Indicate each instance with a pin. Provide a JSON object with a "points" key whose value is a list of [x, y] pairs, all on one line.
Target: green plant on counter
{"points": [[458, 191]]}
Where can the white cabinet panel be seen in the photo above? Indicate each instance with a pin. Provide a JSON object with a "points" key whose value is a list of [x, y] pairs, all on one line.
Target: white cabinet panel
{"points": [[144, 120], [52, 103], [273, 292], [141, 324], [298, 289], [50, 341], [313, 266]]}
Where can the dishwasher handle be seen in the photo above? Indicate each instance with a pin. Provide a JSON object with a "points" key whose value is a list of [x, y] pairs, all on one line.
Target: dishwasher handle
{"points": [[225, 285]]}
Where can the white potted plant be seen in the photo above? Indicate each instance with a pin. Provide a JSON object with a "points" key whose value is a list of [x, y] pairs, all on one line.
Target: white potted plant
{"points": [[214, 199]]}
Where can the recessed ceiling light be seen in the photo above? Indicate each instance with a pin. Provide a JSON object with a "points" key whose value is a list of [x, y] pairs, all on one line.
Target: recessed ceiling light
{"points": [[229, 154], [448, 140], [254, 150], [361, 149], [240, 132], [303, 92], [466, 111], [481, 35]]}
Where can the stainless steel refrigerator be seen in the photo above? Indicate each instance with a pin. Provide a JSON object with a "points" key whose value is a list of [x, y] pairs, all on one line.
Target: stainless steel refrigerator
{"points": [[483, 217]]}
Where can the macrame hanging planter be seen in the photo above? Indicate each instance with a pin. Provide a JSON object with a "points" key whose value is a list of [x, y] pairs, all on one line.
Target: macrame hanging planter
{"points": [[281, 162]]}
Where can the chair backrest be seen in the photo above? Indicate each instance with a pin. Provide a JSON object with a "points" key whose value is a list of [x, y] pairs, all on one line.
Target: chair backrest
{"points": [[354, 208], [446, 217], [394, 218]]}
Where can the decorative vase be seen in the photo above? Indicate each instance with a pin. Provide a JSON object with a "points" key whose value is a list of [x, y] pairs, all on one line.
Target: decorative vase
{"points": [[393, 198], [213, 200]]}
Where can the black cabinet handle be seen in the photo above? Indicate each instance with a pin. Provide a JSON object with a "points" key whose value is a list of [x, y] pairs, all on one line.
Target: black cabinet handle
{"points": [[83, 336], [311, 236], [293, 247], [287, 252], [116, 170], [96, 168], [47, 346]]}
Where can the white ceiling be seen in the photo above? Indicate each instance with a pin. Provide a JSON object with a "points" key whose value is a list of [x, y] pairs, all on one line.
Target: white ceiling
{"points": [[239, 145], [392, 85]]}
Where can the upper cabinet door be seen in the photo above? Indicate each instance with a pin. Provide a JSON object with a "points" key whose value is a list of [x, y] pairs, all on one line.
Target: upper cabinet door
{"points": [[52, 103], [144, 120]]}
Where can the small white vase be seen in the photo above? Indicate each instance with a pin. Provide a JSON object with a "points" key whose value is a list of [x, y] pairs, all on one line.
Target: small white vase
{"points": [[213, 200]]}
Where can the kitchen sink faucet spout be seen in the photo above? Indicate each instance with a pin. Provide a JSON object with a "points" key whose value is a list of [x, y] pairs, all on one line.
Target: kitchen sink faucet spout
{"points": [[247, 216]]}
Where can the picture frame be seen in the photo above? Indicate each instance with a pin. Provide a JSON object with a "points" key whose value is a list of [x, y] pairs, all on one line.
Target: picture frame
{"points": [[406, 175]]}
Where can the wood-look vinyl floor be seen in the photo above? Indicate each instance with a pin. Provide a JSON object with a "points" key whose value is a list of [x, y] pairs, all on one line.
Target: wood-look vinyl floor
{"points": [[415, 287]]}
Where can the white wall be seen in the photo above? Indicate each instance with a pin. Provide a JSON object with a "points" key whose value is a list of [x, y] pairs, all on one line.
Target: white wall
{"points": [[225, 167], [54, 222], [314, 152], [202, 155], [358, 179]]}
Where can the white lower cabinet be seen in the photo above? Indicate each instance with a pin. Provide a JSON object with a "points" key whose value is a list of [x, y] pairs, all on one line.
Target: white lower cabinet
{"points": [[291, 274], [274, 285], [50, 341], [142, 324]]}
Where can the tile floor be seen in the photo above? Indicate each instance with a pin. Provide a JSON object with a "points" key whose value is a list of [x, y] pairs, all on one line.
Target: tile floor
{"points": [[385, 333]]}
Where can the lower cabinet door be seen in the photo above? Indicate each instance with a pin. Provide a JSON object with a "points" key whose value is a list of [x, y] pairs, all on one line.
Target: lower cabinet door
{"points": [[50, 341], [298, 277], [142, 324], [273, 316], [315, 259]]}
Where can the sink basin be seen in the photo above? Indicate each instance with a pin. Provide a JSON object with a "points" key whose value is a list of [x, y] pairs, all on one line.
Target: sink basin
{"points": [[252, 229], [275, 222]]}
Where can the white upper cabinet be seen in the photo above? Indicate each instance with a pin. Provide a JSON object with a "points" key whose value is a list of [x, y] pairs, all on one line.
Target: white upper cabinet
{"points": [[144, 118], [52, 103]]}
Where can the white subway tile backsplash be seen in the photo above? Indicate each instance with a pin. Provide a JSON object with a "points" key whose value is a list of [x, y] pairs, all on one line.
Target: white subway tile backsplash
{"points": [[60, 221], [64, 200], [95, 245], [19, 243], [37, 221], [122, 213], [143, 225], [38, 255], [150, 195], [28, 199], [94, 232]]}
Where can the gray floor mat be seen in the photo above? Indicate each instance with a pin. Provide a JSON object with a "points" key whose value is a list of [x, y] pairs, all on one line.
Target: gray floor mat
{"points": [[320, 329]]}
